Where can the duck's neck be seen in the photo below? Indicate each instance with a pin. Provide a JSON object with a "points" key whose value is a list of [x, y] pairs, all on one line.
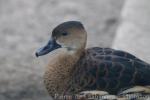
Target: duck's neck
{"points": [[59, 70]]}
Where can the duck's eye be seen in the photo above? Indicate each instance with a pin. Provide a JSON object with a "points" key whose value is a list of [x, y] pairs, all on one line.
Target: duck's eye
{"points": [[65, 34]]}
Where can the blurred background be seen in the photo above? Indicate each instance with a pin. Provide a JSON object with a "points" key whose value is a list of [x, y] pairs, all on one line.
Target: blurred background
{"points": [[26, 25]]}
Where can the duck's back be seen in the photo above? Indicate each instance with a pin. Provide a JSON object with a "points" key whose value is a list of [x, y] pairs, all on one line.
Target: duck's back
{"points": [[109, 70]]}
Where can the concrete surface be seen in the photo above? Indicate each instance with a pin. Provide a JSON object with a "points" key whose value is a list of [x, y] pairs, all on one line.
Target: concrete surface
{"points": [[133, 35], [26, 24]]}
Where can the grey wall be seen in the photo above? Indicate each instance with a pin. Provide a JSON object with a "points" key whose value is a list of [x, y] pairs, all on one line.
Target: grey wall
{"points": [[133, 34]]}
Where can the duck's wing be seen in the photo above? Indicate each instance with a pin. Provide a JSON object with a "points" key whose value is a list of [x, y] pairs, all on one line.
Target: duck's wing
{"points": [[106, 53], [109, 70]]}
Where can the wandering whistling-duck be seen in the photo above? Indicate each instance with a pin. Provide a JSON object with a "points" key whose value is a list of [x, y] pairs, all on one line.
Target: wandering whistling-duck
{"points": [[73, 69]]}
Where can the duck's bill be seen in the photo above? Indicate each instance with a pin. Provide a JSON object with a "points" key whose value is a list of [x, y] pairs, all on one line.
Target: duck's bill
{"points": [[51, 45]]}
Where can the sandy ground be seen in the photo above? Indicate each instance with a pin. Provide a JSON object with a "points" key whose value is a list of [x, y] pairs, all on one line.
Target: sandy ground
{"points": [[26, 24]]}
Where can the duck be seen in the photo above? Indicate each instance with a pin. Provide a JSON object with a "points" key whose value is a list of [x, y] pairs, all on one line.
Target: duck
{"points": [[73, 68]]}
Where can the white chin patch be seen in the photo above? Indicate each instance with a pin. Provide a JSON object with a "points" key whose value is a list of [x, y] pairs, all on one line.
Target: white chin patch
{"points": [[70, 50]]}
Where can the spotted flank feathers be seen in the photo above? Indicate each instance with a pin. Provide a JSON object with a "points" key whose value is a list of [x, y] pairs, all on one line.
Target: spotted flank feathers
{"points": [[108, 70]]}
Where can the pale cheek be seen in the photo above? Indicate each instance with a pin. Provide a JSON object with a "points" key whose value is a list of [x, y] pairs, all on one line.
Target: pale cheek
{"points": [[64, 41]]}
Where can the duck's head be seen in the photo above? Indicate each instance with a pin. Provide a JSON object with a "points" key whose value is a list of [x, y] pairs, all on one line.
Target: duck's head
{"points": [[69, 35]]}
